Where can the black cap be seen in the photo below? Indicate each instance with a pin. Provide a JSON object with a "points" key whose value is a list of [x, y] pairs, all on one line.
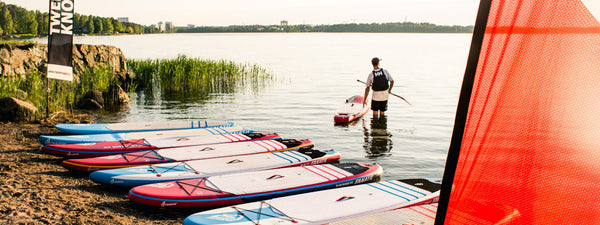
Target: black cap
{"points": [[375, 61]]}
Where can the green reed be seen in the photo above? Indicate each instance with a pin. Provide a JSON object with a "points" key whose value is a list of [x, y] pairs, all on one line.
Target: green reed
{"points": [[193, 75]]}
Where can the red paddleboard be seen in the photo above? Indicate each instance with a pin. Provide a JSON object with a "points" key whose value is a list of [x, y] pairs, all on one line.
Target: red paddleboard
{"points": [[136, 145], [254, 186], [184, 154], [351, 110]]}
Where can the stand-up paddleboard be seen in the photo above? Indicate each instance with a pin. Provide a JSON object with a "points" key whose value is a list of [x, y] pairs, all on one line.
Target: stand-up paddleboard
{"points": [[92, 138], [415, 215], [253, 186], [325, 206], [351, 110], [105, 128], [140, 175], [136, 145], [184, 154]]}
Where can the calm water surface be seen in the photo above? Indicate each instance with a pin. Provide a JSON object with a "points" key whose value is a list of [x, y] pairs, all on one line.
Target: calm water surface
{"points": [[315, 73]]}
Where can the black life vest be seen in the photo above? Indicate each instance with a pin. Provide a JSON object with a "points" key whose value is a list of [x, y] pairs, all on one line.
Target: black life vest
{"points": [[380, 81]]}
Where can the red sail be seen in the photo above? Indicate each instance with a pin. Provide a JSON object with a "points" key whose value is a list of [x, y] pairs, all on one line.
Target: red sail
{"points": [[530, 148]]}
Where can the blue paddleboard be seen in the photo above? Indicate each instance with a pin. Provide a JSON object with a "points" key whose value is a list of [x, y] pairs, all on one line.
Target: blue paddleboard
{"points": [[105, 128]]}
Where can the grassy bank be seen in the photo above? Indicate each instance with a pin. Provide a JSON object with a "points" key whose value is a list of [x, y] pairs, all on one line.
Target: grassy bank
{"points": [[191, 76], [61, 94]]}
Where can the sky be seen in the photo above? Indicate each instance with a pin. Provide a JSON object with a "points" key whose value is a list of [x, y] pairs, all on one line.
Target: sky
{"points": [[268, 12]]}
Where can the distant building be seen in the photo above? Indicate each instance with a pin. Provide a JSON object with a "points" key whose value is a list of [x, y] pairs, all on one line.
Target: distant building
{"points": [[191, 25], [123, 19], [169, 25], [165, 26], [284, 23], [161, 26]]}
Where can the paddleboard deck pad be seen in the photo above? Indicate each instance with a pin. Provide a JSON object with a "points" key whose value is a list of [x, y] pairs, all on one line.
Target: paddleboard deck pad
{"points": [[351, 110], [321, 207], [136, 145], [92, 138], [170, 155], [196, 169], [105, 128], [254, 186]]}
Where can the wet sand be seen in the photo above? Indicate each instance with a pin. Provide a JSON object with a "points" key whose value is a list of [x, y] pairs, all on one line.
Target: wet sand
{"points": [[35, 189]]}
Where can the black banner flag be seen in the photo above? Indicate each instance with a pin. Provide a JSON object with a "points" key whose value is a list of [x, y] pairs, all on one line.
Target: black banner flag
{"points": [[60, 40]]}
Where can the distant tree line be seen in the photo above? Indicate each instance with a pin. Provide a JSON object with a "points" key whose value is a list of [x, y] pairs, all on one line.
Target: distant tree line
{"points": [[352, 27], [17, 20]]}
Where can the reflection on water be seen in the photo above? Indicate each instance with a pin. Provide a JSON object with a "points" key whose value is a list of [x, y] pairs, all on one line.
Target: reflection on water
{"points": [[378, 140]]}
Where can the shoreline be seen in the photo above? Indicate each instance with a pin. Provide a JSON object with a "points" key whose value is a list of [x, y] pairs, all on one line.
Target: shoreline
{"points": [[35, 189]]}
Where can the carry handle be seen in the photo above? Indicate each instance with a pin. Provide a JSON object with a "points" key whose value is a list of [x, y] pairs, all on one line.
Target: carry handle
{"points": [[276, 176]]}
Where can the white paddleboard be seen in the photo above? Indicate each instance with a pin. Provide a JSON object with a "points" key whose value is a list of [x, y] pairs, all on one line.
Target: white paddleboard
{"points": [[324, 206]]}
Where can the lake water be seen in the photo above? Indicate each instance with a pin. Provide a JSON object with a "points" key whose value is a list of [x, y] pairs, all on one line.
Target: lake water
{"points": [[315, 73]]}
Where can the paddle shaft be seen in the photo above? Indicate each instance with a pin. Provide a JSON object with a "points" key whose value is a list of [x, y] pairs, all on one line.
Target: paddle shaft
{"points": [[390, 93]]}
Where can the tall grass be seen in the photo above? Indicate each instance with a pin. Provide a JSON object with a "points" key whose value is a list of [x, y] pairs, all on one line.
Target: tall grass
{"points": [[182, 75], [192, 75], [61, 94]]}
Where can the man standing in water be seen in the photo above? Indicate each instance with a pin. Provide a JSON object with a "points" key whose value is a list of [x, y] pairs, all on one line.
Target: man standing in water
{"points": [[381, 82]]}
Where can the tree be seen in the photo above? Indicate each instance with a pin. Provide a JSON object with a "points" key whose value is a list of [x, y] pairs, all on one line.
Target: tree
{"points": [[98, 28], [83, 24], [118, 26], [130, 29], [108, 25], [90, 26], [42, 20], [26, 22], [6, 21]]}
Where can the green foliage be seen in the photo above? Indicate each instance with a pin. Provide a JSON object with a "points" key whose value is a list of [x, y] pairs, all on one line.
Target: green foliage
{"points": [[62, 94], [194, 75], [17, 20]]}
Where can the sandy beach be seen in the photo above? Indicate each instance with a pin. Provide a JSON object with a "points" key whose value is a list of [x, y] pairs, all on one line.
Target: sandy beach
{"points": [[35, 189]]}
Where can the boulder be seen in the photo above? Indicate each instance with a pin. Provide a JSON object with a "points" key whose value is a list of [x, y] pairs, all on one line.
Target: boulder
{"points": [[116, 96], [18, 59], [12, 109], [92, 100], [88, 103]]}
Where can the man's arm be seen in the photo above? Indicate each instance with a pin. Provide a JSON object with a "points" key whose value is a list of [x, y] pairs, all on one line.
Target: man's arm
{"points": [[391, 85]]}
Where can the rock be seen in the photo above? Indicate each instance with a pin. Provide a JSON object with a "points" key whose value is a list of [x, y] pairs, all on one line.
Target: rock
{"points": [[89, 103], [95, 95], [116, 96], [12, 109], [17, 59], [92, 100]]}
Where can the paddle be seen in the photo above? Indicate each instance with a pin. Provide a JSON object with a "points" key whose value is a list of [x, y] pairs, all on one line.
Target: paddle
{"points": [[390, 93]]}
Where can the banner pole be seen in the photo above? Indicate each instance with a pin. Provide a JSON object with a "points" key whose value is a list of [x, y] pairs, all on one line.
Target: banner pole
{"points": [[48, 60]]}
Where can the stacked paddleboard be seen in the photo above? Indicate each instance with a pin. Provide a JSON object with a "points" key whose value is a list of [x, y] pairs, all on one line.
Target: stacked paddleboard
{"points": [[253, 186], [197, 169], [107, 128], [145, 144], [104, 137], [263, 178], [184, 154]]}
